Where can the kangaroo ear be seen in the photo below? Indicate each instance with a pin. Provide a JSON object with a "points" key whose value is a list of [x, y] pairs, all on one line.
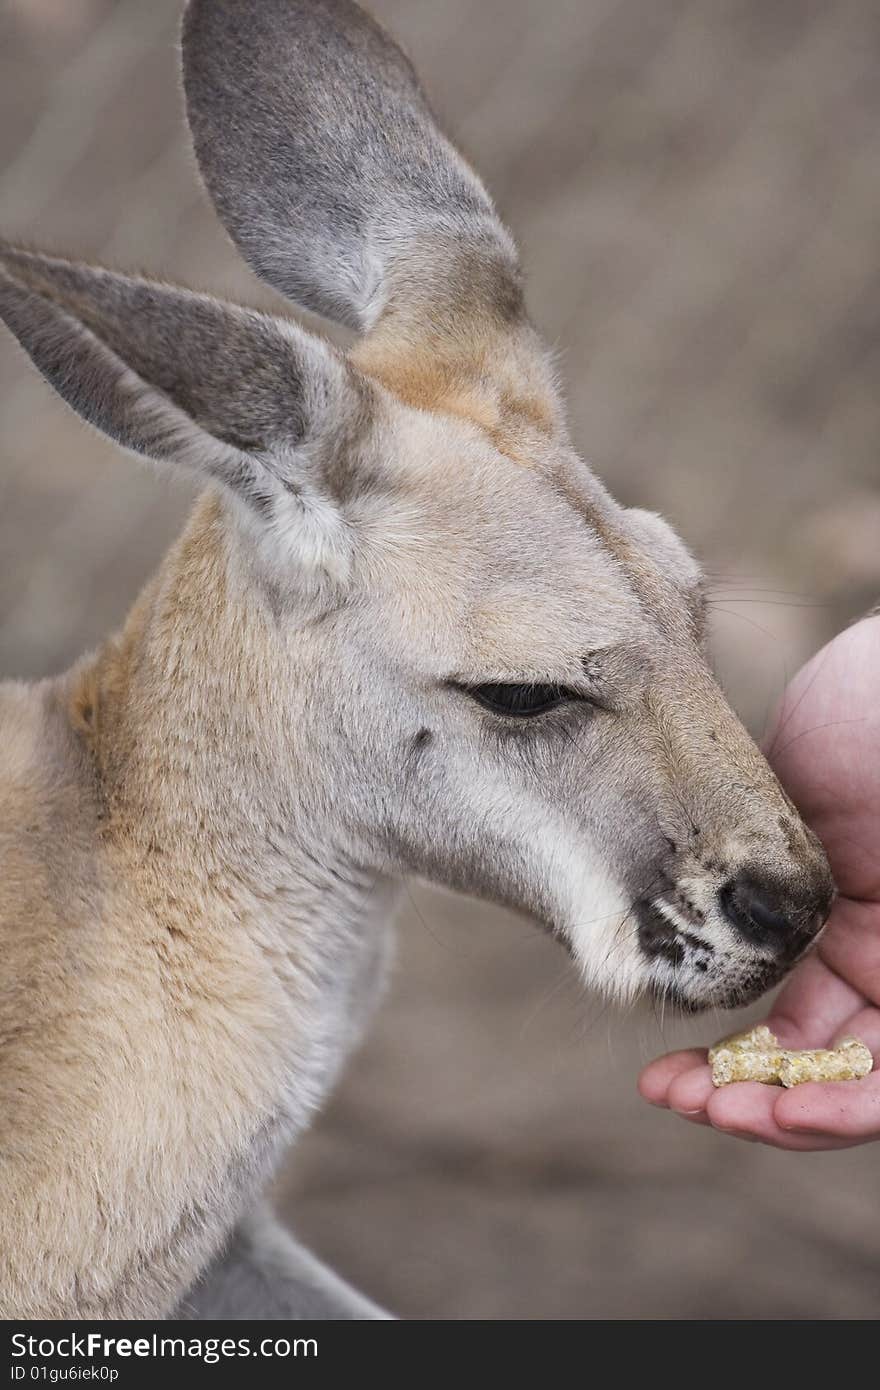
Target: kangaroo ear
{"points": [[240, 398], [328, 170]]}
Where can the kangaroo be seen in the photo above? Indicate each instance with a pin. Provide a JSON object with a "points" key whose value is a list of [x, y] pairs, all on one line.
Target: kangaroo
{"points": [[406, 632]]}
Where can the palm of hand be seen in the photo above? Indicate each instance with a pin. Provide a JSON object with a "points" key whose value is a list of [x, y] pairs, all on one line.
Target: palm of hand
{"points": [[826, 751]]}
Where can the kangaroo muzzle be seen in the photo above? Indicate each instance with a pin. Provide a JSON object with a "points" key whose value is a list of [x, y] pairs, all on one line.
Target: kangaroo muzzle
{"points": [[744, 885]]}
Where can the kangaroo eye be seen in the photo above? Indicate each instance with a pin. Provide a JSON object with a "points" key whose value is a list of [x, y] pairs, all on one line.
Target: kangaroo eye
{"points": [[522, 701]]}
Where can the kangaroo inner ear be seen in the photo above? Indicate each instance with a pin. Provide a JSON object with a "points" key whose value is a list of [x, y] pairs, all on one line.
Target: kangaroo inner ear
{"points": [[328, 170]]}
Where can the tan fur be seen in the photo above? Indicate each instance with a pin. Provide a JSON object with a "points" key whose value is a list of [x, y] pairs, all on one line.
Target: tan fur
{"points": [[152, 1009], [498, 379], [85, 1026]]}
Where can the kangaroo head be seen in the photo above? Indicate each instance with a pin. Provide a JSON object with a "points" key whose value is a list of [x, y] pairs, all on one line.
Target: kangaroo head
{"points": [[498, 677]]}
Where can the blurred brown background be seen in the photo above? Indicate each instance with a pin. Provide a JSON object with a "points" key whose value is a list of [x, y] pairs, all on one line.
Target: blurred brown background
{"points": [[695, 189]]}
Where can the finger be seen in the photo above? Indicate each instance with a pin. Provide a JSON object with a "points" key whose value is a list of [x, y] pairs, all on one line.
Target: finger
{"points": [[864, 1025], [842, 1109], [657, 1076], [813, 1005], [851, 946], [690, 1092], [746, 1110]]}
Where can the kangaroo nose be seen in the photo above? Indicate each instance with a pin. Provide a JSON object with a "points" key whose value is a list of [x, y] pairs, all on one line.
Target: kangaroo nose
{"points": [[767, 917]]}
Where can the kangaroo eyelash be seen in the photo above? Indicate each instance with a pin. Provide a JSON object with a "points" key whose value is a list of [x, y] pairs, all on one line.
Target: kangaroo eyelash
{"points": [[520, 700]]}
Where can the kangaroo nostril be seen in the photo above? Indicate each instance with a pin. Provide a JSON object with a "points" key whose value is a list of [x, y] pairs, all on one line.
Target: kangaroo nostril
{"points": [[757, 912]]}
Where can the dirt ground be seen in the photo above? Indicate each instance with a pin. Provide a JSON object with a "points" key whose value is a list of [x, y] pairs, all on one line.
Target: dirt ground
{"points": [[694, 186]]}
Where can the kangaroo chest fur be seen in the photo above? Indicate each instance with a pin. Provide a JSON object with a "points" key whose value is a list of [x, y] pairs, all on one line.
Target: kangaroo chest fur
{"points": [[187, 961]]}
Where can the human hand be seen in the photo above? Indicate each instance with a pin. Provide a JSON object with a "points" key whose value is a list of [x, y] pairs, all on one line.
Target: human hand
{"points": [[825, 750]]}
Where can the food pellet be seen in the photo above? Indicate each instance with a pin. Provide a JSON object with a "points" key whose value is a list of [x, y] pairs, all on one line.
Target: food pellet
{"points": [[850, 1060], [747, 1064], [757, 1056], [758, 1038]]}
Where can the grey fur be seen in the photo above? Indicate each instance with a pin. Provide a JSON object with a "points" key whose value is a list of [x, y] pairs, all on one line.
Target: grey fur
{"points": [[264, 1273], [171, 374], [337, 171]]}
